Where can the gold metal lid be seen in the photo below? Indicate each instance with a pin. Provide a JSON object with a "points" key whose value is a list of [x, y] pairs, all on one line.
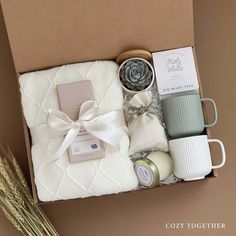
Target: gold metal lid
{"points": [[147, 173]]}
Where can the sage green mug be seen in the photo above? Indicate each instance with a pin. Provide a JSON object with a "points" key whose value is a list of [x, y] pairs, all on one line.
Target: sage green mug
{"points": [[183, 115]]}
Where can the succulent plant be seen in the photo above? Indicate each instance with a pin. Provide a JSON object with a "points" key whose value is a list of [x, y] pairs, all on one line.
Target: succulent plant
{"points": [[136, 75]]}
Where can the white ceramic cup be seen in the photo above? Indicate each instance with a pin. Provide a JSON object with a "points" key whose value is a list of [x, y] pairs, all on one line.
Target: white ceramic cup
{"points": [[192, 157]]}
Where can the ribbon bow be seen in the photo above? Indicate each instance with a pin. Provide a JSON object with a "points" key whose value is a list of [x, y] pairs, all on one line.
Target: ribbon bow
{"points": [[108, 127], [141, 103]]}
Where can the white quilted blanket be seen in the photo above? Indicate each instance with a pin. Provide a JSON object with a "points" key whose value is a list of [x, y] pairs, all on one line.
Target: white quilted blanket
{"points": [[61, 179]]}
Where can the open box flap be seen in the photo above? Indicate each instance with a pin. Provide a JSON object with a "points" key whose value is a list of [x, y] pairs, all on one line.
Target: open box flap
{"points": [[43, 34]]}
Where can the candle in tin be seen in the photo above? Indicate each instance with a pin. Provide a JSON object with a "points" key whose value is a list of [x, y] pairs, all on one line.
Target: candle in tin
{"points": [[156, 167]]}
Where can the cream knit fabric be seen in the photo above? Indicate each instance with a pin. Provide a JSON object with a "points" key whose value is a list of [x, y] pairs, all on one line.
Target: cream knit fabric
{"points": [[63, 180]]}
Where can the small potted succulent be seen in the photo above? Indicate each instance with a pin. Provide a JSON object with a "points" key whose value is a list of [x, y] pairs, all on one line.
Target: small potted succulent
{"points": [[136, 75]]}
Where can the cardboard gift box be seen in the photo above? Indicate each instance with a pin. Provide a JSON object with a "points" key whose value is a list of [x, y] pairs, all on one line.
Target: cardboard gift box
{"points": [[45, 34]]}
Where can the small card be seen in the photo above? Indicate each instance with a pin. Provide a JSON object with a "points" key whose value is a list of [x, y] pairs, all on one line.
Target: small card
{"points": [[71, 96], [175, 71]]}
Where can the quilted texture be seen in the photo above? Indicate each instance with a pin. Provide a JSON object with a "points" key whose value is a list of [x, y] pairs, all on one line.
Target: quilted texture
{"points": [[61, 179]]}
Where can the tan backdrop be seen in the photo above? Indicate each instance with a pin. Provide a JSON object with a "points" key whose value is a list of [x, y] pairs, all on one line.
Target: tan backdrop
{"points": [[146, 213]]}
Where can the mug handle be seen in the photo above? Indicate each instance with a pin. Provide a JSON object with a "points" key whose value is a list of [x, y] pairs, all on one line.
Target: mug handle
{"points": [[222, 152], [215, 111]]}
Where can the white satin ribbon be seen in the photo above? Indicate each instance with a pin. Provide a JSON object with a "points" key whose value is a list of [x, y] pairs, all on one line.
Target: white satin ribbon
{"points": [[108, 127]]}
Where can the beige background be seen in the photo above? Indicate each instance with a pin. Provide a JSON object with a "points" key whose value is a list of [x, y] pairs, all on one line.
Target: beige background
{"points": [[146, 213]]}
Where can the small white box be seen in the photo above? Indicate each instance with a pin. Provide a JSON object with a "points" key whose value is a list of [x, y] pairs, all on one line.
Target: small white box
{"points": [[175, 71]]}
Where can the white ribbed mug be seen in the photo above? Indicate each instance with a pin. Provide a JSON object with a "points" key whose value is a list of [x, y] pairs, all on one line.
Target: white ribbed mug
{"points": [[192, 157]]}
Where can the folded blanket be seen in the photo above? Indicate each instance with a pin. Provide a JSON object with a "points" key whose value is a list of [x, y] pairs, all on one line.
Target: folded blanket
{"points": [[61, 179]]}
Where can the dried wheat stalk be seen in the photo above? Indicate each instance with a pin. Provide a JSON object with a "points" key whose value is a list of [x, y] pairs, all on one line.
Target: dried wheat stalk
{"points": [[16, 201]]}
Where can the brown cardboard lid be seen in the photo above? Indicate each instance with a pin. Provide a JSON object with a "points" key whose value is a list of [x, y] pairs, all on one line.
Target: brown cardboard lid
{"points": [[43, 34]]}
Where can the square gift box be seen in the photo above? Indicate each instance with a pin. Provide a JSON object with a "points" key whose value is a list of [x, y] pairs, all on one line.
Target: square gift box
{"points": [[47, 34]]}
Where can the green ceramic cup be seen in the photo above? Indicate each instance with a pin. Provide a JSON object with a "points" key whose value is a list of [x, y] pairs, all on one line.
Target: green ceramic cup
{"points": [[183, 115]]}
